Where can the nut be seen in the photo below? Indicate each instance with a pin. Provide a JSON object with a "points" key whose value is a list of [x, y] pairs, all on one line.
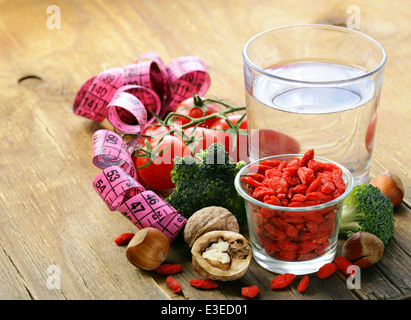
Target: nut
{"points": [[363, 249], [148, 249], [390, 185], [209, 219], [221, 255]]}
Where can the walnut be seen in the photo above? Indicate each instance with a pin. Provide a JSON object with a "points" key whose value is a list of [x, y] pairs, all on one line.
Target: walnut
{"points": [[221, 255], [209, 219]]}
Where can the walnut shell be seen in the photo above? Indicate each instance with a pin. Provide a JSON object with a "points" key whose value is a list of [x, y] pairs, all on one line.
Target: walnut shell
{"points": [[209, 219], [239, 251]]}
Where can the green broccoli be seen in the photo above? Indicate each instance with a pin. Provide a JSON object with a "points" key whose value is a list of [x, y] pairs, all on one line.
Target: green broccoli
{"points": [[367, 209], [207, 180]]}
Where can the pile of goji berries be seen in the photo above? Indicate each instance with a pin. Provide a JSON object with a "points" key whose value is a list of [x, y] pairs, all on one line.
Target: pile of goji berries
{"points": [[204, 284], [278, 282], [305, 182], [284, 280]]}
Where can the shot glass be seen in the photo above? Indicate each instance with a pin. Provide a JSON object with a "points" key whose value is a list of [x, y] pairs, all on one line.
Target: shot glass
{"points": [[286, 239], [314, 86]]}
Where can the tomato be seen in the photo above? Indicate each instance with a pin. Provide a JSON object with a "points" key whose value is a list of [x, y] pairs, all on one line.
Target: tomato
{"points": [[155, 130], [157, 173], [203, 138], [187, 108], [369, 135], [272, 142], [222, 124], [239, 151]]}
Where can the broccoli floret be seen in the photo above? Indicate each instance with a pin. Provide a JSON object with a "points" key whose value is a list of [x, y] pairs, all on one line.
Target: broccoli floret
{"points": [[207, 180], [367, 209]]}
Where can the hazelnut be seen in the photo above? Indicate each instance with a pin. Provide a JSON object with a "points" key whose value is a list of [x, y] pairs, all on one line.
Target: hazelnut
{"points": [[390, 185], [363, 249], [209, 219], [221, 255], [148, 248]]}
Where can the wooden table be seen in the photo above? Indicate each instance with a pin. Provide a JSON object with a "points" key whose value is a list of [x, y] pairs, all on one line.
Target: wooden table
{"points": [[53, 225]]}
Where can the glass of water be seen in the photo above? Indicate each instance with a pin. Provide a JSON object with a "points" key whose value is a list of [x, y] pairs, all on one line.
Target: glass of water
{"points": [[314, 87]]}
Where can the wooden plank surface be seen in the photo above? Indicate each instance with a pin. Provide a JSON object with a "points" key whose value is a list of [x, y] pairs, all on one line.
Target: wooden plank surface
{"points": [[51, 219]]}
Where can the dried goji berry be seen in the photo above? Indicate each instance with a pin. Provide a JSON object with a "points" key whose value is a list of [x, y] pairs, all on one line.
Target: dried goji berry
{"points": [[342, 264], [287, 255], [297, 204], [260, 192], [301, 188], [309, 155], [290, 170], [279, 223], [308, 246], [274, 201], [294, 162], [278, 184], [250, 291], [286, 245], [281, 195], [270, 163], [203, 284], [328, 188], [331, 167], [311, 226], [251, 182], [306, 175], [318, 196], [285, 202], [282, 165], [291, 231], [274, 232], [312, 236], [256, 176], [315, 165], [282, 280], [273, 173], [173, 284], [124, 238], [298, 197], [302, 286], [294, 219], [169, 268], [306, 256], [314, 185], [326, 270], [314, 216], [259, 168], [324, 226], [271, 247]]}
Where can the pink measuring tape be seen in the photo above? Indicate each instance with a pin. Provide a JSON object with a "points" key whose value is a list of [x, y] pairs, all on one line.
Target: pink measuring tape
{"points": [[159, 87], [118, 188], [127, 97]]}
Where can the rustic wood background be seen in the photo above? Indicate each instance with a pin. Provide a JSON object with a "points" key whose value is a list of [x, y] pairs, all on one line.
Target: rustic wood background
{"points": [[50, 216]]}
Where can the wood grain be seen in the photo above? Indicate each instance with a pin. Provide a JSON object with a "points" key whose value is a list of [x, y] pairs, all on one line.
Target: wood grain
{"points": [[49, 213]]}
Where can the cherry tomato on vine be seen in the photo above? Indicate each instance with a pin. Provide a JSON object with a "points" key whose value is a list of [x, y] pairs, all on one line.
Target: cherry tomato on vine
{"points": [[187, 108], [157, 173], [222, 123], [155, 130], [237, 151], [203, 138]]}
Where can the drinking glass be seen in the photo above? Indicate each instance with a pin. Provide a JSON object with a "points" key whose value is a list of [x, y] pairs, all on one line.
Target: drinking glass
{"points": [[314, 87]]}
